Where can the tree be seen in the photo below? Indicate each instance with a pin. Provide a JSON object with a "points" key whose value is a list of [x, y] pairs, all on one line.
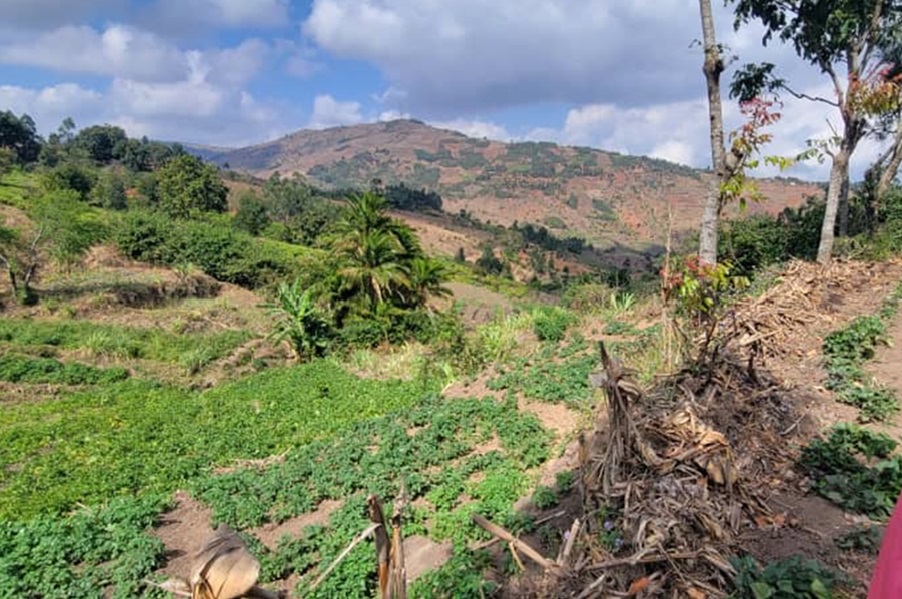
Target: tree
{"points": [[20, 135], [251, 215], [831, 35], [109, 191], [187, 186], [102, 143], [713, 68]]}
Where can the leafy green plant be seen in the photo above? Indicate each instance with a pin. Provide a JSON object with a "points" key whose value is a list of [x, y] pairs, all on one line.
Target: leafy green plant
{"points": [[845, 352], [26, 369], [551, 324], [784, 579], [621, 302], [461, 577], [300, 321], [544, 497], [82, 554], [865, 539], [853, 468]]}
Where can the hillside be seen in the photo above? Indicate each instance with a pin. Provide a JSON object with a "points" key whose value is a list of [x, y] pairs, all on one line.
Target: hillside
{"points": [[602, 196]]}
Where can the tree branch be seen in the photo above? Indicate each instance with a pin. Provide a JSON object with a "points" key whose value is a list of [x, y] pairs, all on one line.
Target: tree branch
{"points": [[868, 42], [837, 86], [804, 96]]}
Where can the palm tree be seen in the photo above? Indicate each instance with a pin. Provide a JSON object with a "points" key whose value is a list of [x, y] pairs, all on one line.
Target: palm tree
{"points": [[372, 265], [427, 277]]}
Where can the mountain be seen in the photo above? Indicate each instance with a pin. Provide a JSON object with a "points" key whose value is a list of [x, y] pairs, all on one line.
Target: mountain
{"points": [[602, 196]]}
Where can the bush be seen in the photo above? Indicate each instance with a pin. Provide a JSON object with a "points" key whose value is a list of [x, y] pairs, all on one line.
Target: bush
{"points": [[551, 324], [213, 246], [26, 369]]}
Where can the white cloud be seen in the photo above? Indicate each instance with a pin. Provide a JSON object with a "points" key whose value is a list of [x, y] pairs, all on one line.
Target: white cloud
{"points": [[119, 50], [449, 58], [475, 128], [328, 112], [193, 98], [50, 105]]}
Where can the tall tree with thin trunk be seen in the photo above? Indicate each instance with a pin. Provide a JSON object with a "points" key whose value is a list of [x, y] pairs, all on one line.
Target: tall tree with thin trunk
{"points": [[843, 39], [713, 68]]}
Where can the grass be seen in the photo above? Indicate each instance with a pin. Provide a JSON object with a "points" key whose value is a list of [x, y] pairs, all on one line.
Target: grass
{"points": [[27, 369], [139, 436], [118, 342], [15, 187]]}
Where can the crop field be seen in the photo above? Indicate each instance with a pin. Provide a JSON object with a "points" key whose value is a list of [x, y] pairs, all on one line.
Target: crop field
{"points": [[92, 450]]}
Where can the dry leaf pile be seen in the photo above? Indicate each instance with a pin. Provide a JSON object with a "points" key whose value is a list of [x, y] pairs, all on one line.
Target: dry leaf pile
{"points": [[688, 466], [790, 318]]}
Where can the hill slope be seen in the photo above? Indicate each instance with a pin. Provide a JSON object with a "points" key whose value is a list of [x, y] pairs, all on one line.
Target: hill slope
{"points": [[602, 196]]}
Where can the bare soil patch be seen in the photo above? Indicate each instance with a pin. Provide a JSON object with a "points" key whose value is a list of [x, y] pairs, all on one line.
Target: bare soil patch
{"points": [[183, 530], [270, 533]]}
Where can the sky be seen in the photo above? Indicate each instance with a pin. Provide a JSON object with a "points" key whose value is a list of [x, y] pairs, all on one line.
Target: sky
{"points": [[620, 75]]}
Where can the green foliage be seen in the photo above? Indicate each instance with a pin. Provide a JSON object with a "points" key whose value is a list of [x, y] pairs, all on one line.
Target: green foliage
{"points": [[402, 197], [544, 497], [300, 321], [853, 469], [864, 539], [26, 369], [69, 229], [551, 324], [554, 376], [211, 245], [8, 160], [845, 352], [135, 437], [109, 191], [70, 176], [251, 216], [117, 342], [83, 554], [20, 134], [461, 577], [101, 143], [784, 579], [188, 187]]}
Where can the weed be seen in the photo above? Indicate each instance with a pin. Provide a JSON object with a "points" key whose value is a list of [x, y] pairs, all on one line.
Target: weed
{"points": [[853, 469], [25, 369], [845, 352], [865, 539], [544, 497], [551, 324], [461, 577], [784, 579]]}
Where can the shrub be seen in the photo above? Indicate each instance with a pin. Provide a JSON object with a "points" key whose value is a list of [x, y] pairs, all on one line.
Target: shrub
{"points": [[551, 324], [784, 579], [300, 321]]}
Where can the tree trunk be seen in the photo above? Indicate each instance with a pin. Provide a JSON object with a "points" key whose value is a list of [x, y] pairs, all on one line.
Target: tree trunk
{"points": [[838, 171], [889, 172], [843, 206], [713, 67]]}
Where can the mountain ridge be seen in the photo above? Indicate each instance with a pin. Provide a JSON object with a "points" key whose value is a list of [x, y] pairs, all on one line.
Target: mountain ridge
{"points": [[600, 195]]}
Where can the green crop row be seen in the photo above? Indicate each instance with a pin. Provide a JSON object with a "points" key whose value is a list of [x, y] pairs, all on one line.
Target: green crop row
{"points": [[138, 436], [117, 342], [433, 450]]}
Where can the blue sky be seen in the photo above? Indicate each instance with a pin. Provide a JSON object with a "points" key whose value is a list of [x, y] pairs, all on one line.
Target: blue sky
{"points": [[620, 75]]}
